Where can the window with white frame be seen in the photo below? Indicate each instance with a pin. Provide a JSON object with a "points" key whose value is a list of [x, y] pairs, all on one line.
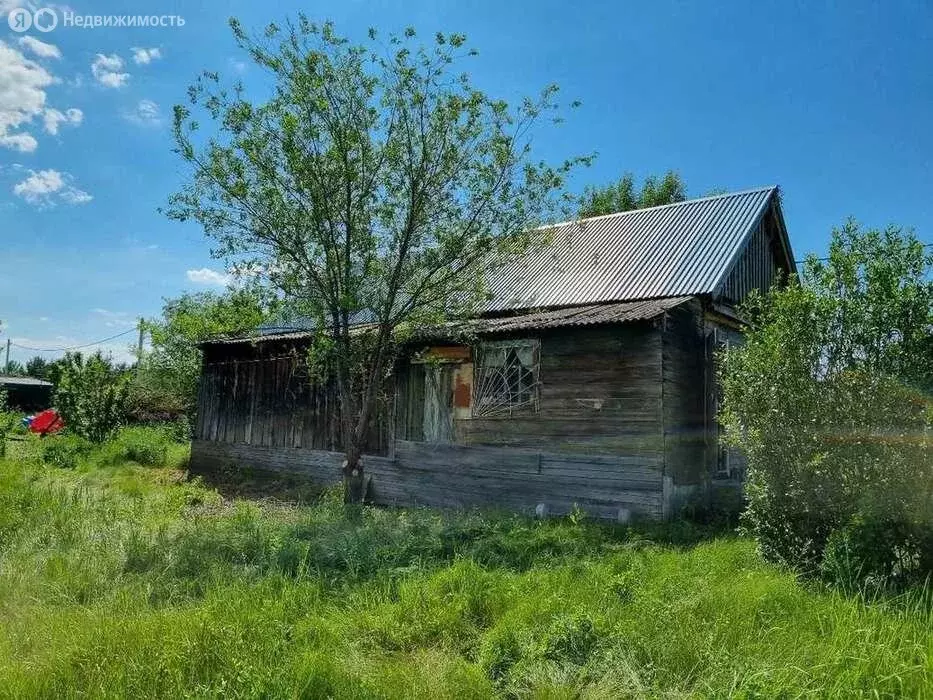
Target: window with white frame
{"points": [[505, 378]]}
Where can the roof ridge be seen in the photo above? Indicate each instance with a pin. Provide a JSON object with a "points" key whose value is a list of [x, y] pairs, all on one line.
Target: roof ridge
{"points": [[662, 206]]}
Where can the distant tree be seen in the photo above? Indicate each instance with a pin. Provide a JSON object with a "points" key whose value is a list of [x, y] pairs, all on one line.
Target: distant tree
{"points": [[623, 196], [38, 367], [830, 399], [15, 368], [376, 180], [91, 396], [167, 379]]}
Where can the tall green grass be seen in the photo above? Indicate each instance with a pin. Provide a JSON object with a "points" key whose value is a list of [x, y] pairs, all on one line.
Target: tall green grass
{"points": [[118, 580]]}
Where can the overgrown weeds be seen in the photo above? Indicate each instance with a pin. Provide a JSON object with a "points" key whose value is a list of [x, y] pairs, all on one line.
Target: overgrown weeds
{"points": [[118, 579]]}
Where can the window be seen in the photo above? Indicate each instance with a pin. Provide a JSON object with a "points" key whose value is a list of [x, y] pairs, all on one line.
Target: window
{"points": [[505, 378]]}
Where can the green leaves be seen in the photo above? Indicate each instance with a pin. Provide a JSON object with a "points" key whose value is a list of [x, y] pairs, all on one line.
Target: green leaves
{"points": [[375, 180], [621, 196], [90, 396], [166, 383], [830, 399]]}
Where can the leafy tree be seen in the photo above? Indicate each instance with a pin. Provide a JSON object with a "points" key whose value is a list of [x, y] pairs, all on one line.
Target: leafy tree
{"points": [[15, 369], [375, 182], [830, 399], [38, 367], [167, 380], [91, 396], [622, 196]]}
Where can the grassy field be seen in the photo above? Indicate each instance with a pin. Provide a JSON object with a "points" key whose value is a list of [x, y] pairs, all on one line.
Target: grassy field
{"points": [[118, 580]]}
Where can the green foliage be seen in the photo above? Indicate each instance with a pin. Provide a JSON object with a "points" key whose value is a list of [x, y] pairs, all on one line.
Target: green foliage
{"points": [[377, 182], [14, 369], [123, 581], [144, 446], [622, 195], [165, 385], [39, 367], [91, 396], [829, 398], [66, 451]]}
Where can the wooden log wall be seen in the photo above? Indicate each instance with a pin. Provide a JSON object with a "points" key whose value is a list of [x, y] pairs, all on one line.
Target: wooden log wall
{"points": [[600, 393], [458, 476]]}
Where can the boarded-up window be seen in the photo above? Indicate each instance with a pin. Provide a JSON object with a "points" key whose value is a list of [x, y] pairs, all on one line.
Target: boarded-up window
{"points": [[505, 378]]}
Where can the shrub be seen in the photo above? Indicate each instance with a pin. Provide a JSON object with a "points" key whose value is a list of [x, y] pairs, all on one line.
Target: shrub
{"points": [[91, 396], [878, 553], [829, 397], [65, 451]]}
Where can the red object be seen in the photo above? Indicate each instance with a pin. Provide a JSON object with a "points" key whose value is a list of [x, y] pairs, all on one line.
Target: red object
{"points": [[47, 423]]}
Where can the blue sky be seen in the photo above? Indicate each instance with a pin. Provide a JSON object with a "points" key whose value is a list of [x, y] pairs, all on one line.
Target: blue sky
{"points": [[832, 101]]}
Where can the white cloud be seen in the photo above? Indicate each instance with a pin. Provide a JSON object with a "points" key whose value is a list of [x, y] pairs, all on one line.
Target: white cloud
{"points": [[23, 84], [40, 48], [43, 318], [22, 97], [53, 118], [208, 276], [115, 319], [46, 188], [107, 70], [145, 56], [7, 6], [146, 114]]}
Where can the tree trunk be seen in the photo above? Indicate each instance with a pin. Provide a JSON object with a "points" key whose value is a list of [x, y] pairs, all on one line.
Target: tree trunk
{"points": [[353, 476]]}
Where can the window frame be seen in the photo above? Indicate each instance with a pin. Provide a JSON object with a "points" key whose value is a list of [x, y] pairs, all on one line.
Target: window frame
{"points": [[480, 406]]}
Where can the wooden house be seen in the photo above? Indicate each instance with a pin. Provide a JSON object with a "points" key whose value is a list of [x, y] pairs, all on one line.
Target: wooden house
{"points": [[589, 380]]}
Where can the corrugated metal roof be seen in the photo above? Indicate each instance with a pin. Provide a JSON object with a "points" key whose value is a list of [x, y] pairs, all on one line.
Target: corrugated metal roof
{"points": [[671, 252], [678, 249], [591, 315], [260, 335], [23, 381]]}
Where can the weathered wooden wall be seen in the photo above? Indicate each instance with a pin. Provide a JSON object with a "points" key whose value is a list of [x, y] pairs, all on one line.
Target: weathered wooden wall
{"points": [[685, 372], [262, 395], [620, 408], [758, 266], [458, 476], [600, 393]]}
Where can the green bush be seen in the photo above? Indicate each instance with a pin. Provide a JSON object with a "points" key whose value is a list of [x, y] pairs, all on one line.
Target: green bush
{"points": [[66, 451], [878, 553], [91, 396], [829, 398]]}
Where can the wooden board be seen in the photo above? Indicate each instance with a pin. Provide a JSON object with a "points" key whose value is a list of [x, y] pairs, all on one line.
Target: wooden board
{"points": [[459, 476]]}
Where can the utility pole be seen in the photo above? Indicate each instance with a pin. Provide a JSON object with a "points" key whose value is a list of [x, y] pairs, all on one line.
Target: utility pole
{"points": [[6, 367], [139, 345]]}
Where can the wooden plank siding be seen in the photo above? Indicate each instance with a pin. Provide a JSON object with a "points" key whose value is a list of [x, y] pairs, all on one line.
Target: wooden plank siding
{"points": [[685, 374], [597, 439], [459, 476], [263, 396], [759, 266], [600, 393]]}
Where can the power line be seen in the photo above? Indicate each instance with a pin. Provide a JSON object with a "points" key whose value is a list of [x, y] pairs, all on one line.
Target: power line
{"points": [[798, 262], [75, 347]]}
